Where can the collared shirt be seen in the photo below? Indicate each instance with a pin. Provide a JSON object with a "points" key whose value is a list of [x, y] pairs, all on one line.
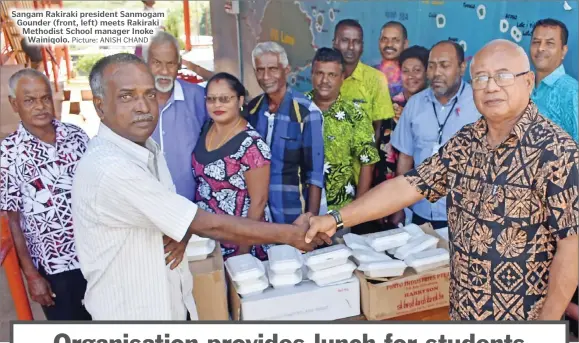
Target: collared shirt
{"points": [[556, 96], [417, 133], [393, 73], [36, 180], [507, 209], [123, 202], [180, 123], [348, 137], [368, 87], [294, 134]]}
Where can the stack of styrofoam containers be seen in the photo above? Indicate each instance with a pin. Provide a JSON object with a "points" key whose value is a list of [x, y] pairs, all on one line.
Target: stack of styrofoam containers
{"points": [[329, 265], [247, 273], [284, 268], [199, 248]]}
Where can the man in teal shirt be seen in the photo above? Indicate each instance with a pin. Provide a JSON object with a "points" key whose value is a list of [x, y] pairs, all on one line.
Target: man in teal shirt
{"points": [[555, 92]]}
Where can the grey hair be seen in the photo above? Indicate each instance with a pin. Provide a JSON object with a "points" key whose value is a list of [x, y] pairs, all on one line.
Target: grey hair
{"points": [[27, 72], [96, 74], [162, 37], [272, 48], [520, 51]]}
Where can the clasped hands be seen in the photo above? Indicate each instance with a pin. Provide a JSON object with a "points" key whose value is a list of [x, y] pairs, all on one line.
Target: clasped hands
{"points": [[307, 233]]}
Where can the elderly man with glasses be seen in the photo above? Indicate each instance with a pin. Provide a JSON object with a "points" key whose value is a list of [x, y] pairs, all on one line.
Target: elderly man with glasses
{"points": [[512, 184]]}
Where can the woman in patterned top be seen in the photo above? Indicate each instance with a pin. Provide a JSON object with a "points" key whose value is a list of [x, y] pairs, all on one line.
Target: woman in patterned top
{"points": [[413, 63], [231, 161]]}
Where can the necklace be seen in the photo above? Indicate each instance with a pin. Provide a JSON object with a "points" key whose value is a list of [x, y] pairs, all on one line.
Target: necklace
{"points": [[226, 137]]}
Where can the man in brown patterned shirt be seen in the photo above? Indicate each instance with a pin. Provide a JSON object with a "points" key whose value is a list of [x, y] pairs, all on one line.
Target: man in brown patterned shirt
{"points": [[512, 185]]}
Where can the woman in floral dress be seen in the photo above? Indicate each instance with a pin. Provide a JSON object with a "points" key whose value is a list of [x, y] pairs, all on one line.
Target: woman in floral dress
{"points": [[231, 161]]}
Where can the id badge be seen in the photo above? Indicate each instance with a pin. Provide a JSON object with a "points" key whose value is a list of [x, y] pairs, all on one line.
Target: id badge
{"points": [[435, 149]]}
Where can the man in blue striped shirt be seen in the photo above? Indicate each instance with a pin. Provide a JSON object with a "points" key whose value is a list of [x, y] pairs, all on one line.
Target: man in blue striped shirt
{"points": [[182, 111], [291, 124], [555, 92]]}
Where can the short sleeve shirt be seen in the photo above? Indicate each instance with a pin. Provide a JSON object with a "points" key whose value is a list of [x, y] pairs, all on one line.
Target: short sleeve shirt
{"points": [[36, 180], [507, 209]]}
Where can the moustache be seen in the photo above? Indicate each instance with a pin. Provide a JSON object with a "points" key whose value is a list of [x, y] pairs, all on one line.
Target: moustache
{"points": [[143, 117], [163, 78]]}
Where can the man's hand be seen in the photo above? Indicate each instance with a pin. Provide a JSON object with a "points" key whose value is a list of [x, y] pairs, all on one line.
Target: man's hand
{"points": [[319, 225], [300, 242], [176, 250], [39, 290], [397, 218]]}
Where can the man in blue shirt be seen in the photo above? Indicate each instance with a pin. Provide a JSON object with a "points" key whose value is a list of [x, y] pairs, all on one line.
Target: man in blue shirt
{"points": [[182, 111], [555, 92], [291, 124], [431, 118]]}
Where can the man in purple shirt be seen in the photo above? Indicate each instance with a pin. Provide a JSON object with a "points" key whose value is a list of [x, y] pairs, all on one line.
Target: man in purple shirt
{"points": [[182, 111]]}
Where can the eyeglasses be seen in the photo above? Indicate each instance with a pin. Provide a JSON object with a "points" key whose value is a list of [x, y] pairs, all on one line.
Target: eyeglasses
{"points": [[502, 79], [224, 99]]}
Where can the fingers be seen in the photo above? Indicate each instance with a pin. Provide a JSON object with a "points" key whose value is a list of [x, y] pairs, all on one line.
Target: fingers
{"points": [[311, 233], [176, 262], [166, 240], [171, 246], [325, 238]]}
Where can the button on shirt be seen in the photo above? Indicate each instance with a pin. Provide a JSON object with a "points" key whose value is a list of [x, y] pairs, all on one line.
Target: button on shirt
{"points": [[180, 123], [123, 202], [508, 207], [36, 180], [556, 96], [417, 132], [294, 134]]}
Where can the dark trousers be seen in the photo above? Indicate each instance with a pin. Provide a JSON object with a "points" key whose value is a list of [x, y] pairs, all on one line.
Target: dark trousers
{"points": [[436, 224], [69, 288]]}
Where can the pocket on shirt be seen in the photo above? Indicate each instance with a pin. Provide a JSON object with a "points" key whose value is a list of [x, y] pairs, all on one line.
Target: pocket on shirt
{"points": [[293, 143]]}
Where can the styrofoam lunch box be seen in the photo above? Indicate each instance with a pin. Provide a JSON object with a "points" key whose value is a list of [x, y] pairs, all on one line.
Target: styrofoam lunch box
{"points": [[328, 257], [246, 289], [284, 280], [197, 253], [198, 241], [354, 241], [328, 276], [244, 268], [415, 245], [284, 259], [366, 256], [383, 269], [428, 259], [443, 232], [414, 230], [382, 241]]}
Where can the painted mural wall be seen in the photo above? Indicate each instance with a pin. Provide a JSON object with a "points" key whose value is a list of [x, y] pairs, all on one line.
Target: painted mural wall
{"points": [[303, 26]]}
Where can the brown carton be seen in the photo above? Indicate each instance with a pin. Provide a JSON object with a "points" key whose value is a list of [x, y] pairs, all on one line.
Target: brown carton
{"points": [[209, 287], [410, 293]]}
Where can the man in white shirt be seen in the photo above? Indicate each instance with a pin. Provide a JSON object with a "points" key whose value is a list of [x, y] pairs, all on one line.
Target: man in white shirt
{"points": [[127, 212]]}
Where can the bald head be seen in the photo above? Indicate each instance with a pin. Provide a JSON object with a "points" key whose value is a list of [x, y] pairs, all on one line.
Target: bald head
{"points": [[505, 48], [501, 80]]}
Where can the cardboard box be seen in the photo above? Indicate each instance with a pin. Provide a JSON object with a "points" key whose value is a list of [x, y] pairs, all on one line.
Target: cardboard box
{"points": [[305, 301], [209, 287], [410, 293]]}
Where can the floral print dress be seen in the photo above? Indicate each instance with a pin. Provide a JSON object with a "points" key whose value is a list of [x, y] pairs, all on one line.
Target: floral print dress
{"points": [[221, 186], [348, 137], [386, 168]]}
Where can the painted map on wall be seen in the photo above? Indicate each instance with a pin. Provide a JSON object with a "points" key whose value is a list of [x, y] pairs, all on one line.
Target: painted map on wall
{"points": [[303, 26]]}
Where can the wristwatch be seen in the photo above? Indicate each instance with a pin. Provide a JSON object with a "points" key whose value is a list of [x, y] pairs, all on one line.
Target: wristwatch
{"points": [[338, 218]]}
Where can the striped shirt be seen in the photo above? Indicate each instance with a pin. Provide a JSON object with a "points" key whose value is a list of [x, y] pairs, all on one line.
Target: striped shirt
{"points": [[123, 201]]}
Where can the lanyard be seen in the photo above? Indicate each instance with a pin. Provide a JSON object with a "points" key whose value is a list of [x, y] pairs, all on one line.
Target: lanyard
{"points": [[441, 126]]}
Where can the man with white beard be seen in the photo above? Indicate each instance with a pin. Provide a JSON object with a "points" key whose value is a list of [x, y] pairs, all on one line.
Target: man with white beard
{"points": [[182, 111]]}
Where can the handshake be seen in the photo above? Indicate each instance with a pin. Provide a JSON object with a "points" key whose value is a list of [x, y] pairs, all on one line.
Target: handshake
{"points": [[312, 231]]}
